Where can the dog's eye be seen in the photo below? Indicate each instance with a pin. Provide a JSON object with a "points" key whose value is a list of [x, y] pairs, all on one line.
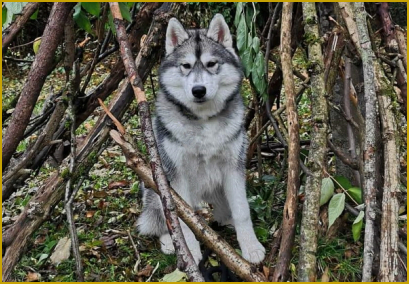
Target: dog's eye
{"points": [[186, 66], [211, 64]]}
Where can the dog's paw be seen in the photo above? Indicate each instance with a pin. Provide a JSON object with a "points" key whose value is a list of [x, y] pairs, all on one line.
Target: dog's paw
{"points": [[166, 244], [253, 251]]}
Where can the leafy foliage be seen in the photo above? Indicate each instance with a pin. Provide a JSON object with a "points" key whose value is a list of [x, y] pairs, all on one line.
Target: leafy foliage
{"points": [[327, 190], [9, 10], [357, 226], [248, 44], [336, 207]]}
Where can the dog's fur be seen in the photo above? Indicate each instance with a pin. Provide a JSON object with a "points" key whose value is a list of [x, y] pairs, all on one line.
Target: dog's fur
{"points": [[200, 134]]}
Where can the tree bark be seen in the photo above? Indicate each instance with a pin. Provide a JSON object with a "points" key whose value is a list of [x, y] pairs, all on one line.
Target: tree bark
{"points": [[293, 182], [389, 253], [11, 32], [43, 62], [400, 36], [369, 148], [307, 267], [392, 46]]}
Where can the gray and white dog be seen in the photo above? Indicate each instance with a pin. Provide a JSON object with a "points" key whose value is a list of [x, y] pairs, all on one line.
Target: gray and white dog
{"points": [[200, 134]]}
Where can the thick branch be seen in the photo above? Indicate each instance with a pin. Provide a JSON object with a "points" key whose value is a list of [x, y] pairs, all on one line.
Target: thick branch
{"points": [[293, 183], [389, 262], [369, 148], [35, 80], [307, 269]]}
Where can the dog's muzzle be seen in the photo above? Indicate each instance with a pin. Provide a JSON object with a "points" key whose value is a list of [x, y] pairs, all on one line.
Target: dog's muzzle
{"points": [[199, 92]]}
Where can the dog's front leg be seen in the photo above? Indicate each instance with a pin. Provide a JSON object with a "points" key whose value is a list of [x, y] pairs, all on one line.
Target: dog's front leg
{"points": [[191, 241], [235, 189]]}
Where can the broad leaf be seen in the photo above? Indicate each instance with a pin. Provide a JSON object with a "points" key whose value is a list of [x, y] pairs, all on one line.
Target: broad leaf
{"points": [[175, 276], [77, 10], [125, 11], [249, 41], [239, 9], [336, 207], [92, 7], [36, 45], [357, 226], [7, 19], [15, 7], [83, 22], [356, 194], [242, 35], [258, 74], [256, 44], [111, 23], [343, 181], [3, 15], [327, 190], [247, 58]]}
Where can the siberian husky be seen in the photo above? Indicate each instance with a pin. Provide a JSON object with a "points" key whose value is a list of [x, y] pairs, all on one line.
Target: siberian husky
{"points": [[200, 135]]}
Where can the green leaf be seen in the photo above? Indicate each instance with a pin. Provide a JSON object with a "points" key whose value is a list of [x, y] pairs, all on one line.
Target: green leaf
{"points": [[249, 18], [7, 19], [3, 15], [258, 74], [247, 58], [34, 15], [239, 9], [15, 7], [327, 190], [356, 194], [249, 41], [343, 181], [357, 226], [261, 233], [83, 22], [213, 262], [111, 23], [77, 10], [256, 44], [175, 276], [36, 45], [336, 207], [91, 7], [125, 11], [242, 35]]}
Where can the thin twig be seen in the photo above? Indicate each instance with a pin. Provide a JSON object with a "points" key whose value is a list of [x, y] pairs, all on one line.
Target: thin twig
{"points": [[69, 196]]}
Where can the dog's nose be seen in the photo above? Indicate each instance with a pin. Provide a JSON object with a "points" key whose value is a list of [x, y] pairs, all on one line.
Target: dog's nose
{"points": [[199, 91]]}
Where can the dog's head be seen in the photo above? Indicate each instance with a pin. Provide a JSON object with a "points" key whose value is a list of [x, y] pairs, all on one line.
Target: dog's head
{"points": [[201, 68]]}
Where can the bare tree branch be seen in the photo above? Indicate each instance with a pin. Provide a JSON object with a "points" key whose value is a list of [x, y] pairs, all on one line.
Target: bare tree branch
{"points": [[369, 148], [293, 183], [307, 268], [35, 80]]}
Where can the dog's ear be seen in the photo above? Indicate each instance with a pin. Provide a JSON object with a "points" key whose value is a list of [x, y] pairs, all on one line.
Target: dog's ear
{"points": [[175, 35], [219, 31]]}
